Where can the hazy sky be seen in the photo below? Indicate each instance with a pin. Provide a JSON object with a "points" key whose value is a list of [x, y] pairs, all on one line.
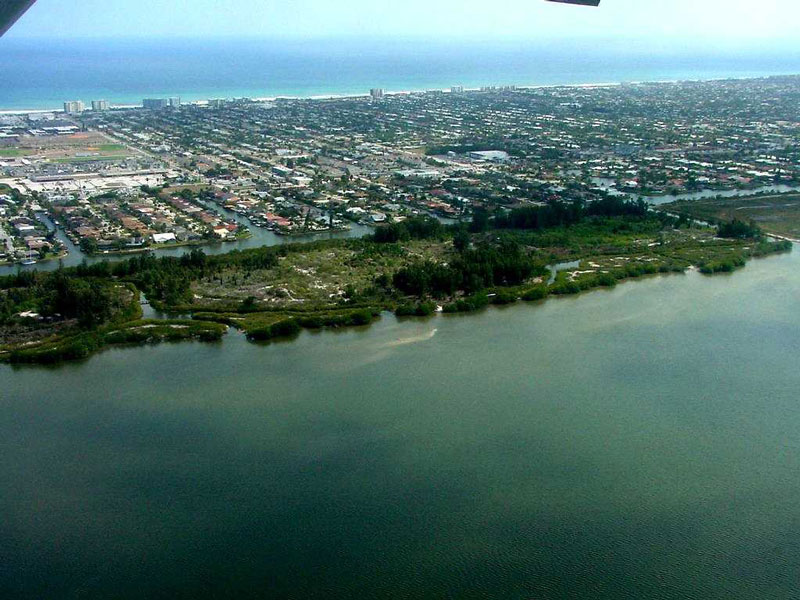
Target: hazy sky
{"points": [[734, 20]]}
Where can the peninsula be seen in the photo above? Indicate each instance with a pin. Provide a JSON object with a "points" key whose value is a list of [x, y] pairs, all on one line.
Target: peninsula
{"points": [[414, 268]]}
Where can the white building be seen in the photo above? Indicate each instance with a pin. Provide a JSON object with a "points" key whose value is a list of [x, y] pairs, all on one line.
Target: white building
{"points": [[99, 105], [490, 155], [163, 238], [73, 107]]}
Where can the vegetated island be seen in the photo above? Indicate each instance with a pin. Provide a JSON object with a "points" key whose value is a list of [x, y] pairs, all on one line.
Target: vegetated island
{"points": [[412, 268]]}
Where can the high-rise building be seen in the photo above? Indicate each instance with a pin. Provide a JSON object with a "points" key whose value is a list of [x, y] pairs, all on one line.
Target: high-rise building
{"points": [[175, 102], [457, 89], [73, 107], [155, 103], [98, 105], [376, 93]]}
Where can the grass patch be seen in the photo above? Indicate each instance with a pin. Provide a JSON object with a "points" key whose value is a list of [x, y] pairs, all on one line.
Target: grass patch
{"points": [[87, 159], [14, 152]]}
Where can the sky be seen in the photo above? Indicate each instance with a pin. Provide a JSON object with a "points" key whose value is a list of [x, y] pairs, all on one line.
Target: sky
{"points": [[732, 22]]}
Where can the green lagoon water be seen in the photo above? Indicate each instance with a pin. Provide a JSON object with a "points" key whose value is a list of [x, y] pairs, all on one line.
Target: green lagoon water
{"points": [[638, 443]]}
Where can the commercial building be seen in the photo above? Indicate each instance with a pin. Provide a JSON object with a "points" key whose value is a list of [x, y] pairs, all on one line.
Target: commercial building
{"points": [[490, 155], [155, 103], [73, 107], [99, 105]]}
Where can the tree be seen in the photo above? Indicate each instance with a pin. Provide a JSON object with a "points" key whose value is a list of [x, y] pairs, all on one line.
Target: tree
{"points": [[480, 221], [461, 240], [249, 304], [88, 245], [737, 229]]}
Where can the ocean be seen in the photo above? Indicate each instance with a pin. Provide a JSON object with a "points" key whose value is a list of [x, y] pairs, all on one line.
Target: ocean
{"points": [[42, 74]]}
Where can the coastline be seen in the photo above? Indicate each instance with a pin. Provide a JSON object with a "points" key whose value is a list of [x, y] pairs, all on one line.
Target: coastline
{"points": [[263, 324], [212, 327], [125, 105]]}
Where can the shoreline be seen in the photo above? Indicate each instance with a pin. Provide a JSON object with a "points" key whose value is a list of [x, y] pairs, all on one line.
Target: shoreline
{"points": [[346, 96], [264, 323], [210, 326]]}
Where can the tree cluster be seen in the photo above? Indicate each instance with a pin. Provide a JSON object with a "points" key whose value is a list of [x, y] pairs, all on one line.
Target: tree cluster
{"points": [[501, 264], [558, 213], [739, 230], [416, 228]]}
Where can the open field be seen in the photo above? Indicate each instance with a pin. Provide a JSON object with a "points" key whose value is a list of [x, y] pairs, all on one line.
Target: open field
{"points": [[88, 159], [313, 277], [108, 147], [14, 152], [779, 215], [79, 147]]}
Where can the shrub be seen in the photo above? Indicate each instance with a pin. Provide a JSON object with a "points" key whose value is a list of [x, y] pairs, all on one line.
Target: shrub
{"points": [[285, 328], [565, 288], [606, 280], [423, 309], [538, 292], [361, 317], [468, 304], [504, 297]]}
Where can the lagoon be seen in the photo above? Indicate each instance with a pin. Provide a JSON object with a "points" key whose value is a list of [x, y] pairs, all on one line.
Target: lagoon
{"points": [[640, 442]]}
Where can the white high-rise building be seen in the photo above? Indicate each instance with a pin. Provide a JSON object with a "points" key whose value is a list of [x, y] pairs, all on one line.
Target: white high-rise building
{"points": [[376, 93], [175, 102], [73, 107], [99, 105]]}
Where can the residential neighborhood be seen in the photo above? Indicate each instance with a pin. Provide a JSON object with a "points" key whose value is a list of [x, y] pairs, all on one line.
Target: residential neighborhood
{"points": [[204, 172]]}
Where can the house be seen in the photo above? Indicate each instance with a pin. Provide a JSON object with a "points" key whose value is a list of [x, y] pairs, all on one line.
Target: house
{"points": [[164, 238]]}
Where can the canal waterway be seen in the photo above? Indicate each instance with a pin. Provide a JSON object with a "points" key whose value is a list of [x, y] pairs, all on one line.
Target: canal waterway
{"points": [[259, 237]]}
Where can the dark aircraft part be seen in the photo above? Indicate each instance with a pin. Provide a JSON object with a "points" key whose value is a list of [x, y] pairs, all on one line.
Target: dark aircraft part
{"points": [[584, 2], [10, 11]]}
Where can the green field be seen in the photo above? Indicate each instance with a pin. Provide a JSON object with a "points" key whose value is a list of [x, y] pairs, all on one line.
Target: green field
{"points": [[86, 159], [14, 152]]}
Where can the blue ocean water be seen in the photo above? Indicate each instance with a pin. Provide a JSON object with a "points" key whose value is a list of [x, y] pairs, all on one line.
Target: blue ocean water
{"points": [[44, 73]]}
